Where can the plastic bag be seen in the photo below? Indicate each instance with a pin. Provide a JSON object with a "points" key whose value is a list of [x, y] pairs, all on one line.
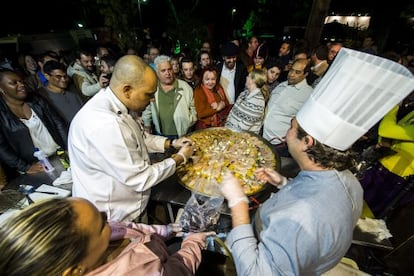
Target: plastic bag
{"points": [[201, 213]]}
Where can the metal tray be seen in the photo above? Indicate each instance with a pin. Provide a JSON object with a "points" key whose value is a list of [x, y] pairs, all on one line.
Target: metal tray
{"points": [[192, 174]]}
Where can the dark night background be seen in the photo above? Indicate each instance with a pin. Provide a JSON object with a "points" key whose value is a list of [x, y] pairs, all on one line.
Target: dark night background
{"points": [[46, 15], [33, 17]]}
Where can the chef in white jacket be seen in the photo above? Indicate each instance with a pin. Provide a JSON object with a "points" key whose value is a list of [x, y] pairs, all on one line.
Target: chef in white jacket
{"points": [[108, 149]]}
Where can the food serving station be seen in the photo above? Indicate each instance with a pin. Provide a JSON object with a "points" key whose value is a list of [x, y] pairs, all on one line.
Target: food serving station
{"points": [[218, 150]]}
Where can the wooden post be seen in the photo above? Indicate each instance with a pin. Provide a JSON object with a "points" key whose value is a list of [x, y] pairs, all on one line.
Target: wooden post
{"points": [[313, 32]]}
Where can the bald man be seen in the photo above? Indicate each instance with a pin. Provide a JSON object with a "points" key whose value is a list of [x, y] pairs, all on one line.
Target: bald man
{"points": [[285, 101], [108, 149]]}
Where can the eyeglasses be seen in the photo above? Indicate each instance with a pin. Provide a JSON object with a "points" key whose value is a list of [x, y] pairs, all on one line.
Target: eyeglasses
{"points": [[59, 77]]}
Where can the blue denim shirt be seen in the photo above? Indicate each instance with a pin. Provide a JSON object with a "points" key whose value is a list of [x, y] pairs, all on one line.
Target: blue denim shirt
{"points": [[306, 229]]}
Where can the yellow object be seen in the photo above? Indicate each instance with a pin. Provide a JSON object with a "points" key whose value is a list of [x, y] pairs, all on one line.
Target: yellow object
{"points": [[64, 158], [402, 134], [366, 211], [350, 262], [346, 267]]}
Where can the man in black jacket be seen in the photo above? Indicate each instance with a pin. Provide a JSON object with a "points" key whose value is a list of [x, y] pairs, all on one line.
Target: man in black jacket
{"points": [[233, 72]]}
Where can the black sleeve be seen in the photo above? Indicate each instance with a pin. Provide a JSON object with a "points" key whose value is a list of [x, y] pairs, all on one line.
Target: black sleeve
{"points": [[10, 158]]}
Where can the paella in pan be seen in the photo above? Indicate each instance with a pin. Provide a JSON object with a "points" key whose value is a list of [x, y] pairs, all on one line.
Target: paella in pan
{"points": [[219, 149]]}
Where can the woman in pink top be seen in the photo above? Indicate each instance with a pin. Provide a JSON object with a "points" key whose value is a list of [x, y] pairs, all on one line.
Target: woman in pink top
{"points": [[69, 236]]}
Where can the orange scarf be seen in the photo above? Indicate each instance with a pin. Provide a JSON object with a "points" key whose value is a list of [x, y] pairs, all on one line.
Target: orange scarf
{"points": [[215, 119]]}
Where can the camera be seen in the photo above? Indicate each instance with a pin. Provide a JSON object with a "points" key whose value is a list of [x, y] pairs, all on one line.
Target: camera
{"points": [[108, 76]]}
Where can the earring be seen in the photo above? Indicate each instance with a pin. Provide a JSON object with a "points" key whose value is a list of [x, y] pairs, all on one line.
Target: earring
{"points": [[2, 92]]}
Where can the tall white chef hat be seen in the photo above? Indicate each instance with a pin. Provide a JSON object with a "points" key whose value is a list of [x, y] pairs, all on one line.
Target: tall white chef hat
{"points": [[356, 92]]}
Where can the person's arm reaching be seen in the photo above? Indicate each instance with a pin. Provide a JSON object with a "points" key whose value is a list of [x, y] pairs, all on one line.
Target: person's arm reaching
{"points": [[236, 200], [191, 247]]}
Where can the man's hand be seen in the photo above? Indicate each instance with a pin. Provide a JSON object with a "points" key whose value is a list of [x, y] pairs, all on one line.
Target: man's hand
{"points": [[270, 176], [103, 80], [180, 142], [232, 190], [186, 151]]}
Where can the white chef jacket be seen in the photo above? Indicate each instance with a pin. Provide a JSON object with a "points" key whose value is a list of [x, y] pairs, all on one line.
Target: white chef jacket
{"points": [[110, 165]]}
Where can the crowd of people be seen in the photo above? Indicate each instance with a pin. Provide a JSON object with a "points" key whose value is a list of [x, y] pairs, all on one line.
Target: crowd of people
{"points": [[113, 112]]}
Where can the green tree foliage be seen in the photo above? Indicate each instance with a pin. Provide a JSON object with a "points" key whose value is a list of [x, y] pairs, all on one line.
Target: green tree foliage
{"points": [[119, 18], [186, 29], [249, 24]]}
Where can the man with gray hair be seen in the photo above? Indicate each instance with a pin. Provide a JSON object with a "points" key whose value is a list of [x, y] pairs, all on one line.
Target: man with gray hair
{"points": [[172, 112], [109, 152]]}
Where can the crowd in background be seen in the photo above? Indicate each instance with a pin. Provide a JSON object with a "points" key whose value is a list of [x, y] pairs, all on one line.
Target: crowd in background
{"points": [[215, 74], [244, 85]]}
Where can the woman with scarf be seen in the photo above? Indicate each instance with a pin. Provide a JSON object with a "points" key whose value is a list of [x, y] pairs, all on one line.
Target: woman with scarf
{"points": [[210, 100]]}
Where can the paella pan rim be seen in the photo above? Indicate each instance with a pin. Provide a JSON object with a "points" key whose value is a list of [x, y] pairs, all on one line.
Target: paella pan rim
{"points": [[179, 174]]}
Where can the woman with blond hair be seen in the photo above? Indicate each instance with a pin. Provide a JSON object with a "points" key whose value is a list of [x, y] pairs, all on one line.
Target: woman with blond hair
{"points": [[248, 111], [69, 236]]}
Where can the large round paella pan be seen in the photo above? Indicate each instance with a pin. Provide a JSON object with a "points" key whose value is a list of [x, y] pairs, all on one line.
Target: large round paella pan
{"points": [[219, 149]]}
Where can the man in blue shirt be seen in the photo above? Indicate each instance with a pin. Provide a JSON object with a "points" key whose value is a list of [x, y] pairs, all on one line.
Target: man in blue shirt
{"points": [[307, 226]]}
